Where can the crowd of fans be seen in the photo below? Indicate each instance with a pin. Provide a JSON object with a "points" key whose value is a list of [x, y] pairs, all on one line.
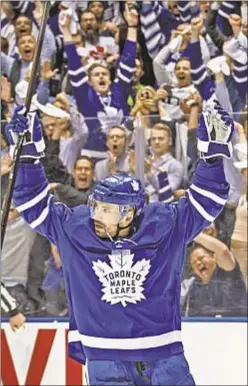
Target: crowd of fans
{"points": [[120, 88]]}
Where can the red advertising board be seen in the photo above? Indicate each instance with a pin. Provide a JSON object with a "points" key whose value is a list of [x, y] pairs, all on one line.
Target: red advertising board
{"points": [[38, 356], [216, 352]]}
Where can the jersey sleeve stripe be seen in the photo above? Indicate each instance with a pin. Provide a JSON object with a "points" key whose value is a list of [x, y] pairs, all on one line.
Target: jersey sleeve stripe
{"points": [[201, 79], [80, 82], [199, 208], [240, 80], [153, 30], [226, 4], [198, 69], [77, 72], [184, 8], [42, 216], [124, 78], [34, 201], [208, 194], [164, 189], [148, 19], [240, 69], [223, 14], [153, 43], [127, 68]]}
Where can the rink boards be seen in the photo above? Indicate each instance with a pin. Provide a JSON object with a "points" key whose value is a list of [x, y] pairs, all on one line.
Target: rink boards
{"points": [[215, 348]]}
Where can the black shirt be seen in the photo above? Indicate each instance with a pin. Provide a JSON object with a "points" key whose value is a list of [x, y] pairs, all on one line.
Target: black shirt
{"points": [[224, 295]]}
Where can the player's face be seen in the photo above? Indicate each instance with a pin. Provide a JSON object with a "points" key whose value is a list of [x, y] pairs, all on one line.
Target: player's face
{"points": [[97, 8], [161, 142], [26, 47], [83, 174], [182, 72], [106, 219], [49, 125], [88, 23], [100, 80], [23, 26], [203, 264], [109, 221], [116, 141]]}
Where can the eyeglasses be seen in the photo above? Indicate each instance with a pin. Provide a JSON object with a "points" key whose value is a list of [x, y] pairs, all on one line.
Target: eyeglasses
{"points": [[116, 136]]}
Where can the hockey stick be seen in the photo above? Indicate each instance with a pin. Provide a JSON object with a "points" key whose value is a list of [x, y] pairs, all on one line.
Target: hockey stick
{"points": [[18, 149]]}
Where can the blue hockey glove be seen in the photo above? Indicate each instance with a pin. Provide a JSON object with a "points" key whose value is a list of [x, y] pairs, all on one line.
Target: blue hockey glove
{"points": [[214, 132], [30, 127]]}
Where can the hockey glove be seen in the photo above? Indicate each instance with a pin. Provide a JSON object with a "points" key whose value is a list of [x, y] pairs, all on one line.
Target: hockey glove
{"points": [[30, 127], [214, 132]]}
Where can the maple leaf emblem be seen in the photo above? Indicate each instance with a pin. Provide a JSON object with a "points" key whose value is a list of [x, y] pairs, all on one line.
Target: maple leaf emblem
{"points": [[110, 117], [135, 186], [122, 282]]}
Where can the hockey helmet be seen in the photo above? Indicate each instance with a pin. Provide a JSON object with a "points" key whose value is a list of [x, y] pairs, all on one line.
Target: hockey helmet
{"points": [[121, 189]]}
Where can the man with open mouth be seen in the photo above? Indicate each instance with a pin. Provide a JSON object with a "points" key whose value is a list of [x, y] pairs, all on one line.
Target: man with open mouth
{"points": [[117, 161], [95, 93]]}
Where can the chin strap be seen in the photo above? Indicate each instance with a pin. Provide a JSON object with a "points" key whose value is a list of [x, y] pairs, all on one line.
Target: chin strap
{"points": [[119, 229]]}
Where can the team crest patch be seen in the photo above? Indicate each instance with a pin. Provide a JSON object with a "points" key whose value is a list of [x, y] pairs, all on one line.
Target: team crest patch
{"points": [[135, 186], [122, 281]]}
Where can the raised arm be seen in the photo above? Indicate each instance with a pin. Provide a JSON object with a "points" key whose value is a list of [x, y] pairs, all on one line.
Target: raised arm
{"points": [[185, 11], [226, 9], [211, 28], [207, 195], [237, 49], [6, 64], [159, 66], [126, 67], [223, 255], [151, 27], [200, 78], [77, 73], [76, 142], [32, 197]]}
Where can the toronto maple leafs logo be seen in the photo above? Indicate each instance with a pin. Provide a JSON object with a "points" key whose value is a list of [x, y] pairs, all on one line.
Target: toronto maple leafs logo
{"points": [[122, 281], [219, 129], [110, 117], [135, 186]]}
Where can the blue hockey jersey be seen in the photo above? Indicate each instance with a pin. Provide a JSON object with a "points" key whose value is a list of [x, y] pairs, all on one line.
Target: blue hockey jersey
{"points": [[124, 295], [109, 110]]}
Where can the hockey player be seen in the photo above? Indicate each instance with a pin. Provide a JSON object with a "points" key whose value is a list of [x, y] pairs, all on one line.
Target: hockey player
{"points": [[122, 261]]}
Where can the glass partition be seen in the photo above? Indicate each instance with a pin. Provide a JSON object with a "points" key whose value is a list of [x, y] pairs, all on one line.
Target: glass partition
{"points": [[214, 278]]}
